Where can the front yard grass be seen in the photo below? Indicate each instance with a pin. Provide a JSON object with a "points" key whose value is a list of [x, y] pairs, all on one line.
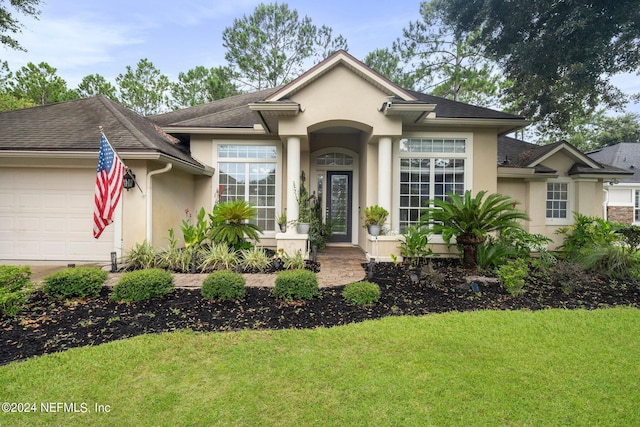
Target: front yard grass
{"points": [[550, 367]]}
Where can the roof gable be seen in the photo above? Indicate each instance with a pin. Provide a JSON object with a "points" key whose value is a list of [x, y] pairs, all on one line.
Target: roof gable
{"points": [[341, 58]]}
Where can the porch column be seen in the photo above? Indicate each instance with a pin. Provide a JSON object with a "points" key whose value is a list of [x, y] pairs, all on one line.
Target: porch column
{"points": [[293, 178], [384, 175]]}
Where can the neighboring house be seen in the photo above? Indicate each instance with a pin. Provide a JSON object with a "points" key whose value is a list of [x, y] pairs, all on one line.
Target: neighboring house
{"points": [[359, 139], [622, 196]]}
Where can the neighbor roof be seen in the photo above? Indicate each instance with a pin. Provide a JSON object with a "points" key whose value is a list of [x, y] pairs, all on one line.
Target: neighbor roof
{"points": [[514, 152], [74, 126], [625, 155]]}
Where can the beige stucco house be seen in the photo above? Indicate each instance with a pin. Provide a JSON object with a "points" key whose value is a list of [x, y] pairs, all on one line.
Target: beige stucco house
{"points": [[359, 139]]}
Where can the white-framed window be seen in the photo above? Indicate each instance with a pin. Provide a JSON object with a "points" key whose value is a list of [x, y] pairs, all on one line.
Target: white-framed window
{"points": [[558, 202], [430, 168], [249, 172], [636, 206]]}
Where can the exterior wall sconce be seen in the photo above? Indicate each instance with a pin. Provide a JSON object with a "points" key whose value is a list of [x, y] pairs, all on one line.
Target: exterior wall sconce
{"points": [[129, 180]]}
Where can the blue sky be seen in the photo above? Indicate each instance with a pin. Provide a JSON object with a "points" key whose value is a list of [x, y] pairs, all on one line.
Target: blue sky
{"points": [[88, 37]]}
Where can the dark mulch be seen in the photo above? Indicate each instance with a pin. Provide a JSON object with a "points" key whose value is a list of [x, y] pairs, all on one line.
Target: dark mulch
{"points": [[48, 326]]}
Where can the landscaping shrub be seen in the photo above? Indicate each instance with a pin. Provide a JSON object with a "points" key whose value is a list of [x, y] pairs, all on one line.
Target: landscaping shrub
{"points": [[141, 257], [512, 275], [75, 282], [224, 285], [15, 288], [587, 232], [143, 284], [296, 284], [255, 259], [293, 262], [613, 262], [568, 276], [218, 256], [361, 293]]}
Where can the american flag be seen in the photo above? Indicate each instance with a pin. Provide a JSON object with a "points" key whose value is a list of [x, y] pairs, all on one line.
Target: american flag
{"points": [[108, 186]]}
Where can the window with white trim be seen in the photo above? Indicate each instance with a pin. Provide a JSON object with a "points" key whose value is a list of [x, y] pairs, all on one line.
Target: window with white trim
{"points": [[557, 200], [430, 168], [249, 172], [636, 206]]}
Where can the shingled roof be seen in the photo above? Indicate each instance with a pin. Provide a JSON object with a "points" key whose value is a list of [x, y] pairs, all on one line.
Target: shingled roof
{"points": [[514, 152], [625, 155], [74, 126]]}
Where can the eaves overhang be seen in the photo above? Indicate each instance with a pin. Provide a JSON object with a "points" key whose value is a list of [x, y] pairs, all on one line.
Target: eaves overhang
{"points": [[504, 126], [124, 155], [257, 129]]}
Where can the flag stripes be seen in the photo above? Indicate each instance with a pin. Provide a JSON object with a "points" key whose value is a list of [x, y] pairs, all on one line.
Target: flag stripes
{"points": [[108, 186]]}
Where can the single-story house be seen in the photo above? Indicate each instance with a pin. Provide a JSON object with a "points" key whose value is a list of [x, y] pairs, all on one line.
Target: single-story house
{"points": [[360, 140], [621, 196]]}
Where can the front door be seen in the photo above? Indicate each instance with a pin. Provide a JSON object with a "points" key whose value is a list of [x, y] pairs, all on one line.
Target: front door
{"points": [[339, 198]]}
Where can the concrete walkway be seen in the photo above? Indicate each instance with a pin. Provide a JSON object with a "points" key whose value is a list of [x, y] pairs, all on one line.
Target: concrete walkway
{"points": [[339, 265]]}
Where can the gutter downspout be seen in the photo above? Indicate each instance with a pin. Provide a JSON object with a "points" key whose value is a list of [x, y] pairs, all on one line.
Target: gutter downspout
{"points": [[167, 168], [605, 204]]}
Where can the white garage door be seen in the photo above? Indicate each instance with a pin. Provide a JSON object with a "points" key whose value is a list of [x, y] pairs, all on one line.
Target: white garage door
{"points": [[47, 214]]}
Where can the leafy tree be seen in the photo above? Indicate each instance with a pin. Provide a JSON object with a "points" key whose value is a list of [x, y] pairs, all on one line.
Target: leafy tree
{"points": [[201, 85], [470, 219], [40, 84], [559, 55], [388, 63], [441, 60], [9, 23], [592, 131], [95, 84], [271, 46], [8, 101], [143, 90]]}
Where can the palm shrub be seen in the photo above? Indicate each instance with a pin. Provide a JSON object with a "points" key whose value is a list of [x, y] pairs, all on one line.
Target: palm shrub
{"points": [[470, 219], [230, 224], [142, 285], [223, 285], [75, 282], [296, 284], [15, 288]]}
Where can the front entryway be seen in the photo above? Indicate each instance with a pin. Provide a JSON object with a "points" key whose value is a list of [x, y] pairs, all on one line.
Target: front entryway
{"points": [[339, 205]]}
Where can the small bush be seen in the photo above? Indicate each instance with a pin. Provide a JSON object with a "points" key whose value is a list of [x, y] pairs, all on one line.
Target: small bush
{"points": [[296, 284], [568, 276], [361, 293], [512, 275], [75, 282], [224, 285], [15, 288], [142, 285]]}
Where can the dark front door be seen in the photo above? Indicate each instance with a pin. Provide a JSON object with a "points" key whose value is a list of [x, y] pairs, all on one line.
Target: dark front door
{"points": [[339, 198]]}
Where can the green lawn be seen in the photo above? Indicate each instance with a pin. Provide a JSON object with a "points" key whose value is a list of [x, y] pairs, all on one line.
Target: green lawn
{"points": [[552, 367]]}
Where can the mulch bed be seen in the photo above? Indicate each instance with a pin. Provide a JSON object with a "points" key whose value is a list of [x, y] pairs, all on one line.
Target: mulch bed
{"points": [[48, 326]]}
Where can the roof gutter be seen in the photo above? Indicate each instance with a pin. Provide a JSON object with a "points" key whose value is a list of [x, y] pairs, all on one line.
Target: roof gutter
{"points": [[149, 195]]}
